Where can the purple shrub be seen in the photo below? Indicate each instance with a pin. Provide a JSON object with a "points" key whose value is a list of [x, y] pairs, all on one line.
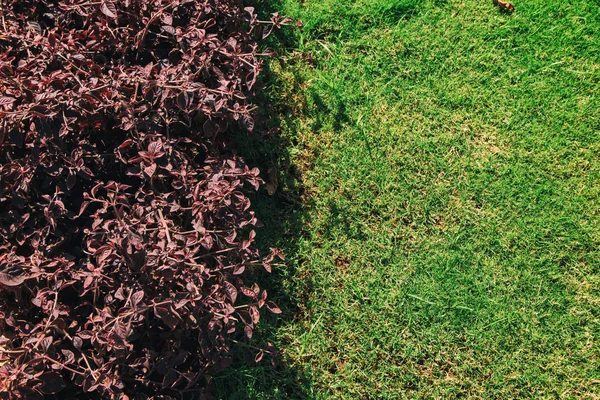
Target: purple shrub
{"points": [[125, 231]]}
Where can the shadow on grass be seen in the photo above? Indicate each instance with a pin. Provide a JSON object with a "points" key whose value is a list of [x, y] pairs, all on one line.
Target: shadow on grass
{"points": [[282, 215]]}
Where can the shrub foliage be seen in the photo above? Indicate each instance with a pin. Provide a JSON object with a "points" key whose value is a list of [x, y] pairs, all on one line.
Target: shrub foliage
{"points": [[125, 233]]}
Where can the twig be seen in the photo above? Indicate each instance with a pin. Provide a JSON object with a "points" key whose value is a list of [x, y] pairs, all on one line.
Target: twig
{"points": [[162, 220], [62, 365]]}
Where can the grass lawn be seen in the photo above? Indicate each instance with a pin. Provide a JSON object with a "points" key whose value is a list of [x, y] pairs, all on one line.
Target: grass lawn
{"points": [[439, 203]]}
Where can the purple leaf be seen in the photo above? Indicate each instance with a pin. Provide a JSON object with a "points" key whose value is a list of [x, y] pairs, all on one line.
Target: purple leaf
{"points": [[4, 100], [230, 290], [272, 307], [11, 281], [137, 297], [167, 315], [52, 383], [254, 314], [108, 9]]}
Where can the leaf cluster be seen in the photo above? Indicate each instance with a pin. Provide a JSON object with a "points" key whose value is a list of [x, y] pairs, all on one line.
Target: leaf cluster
{"points": [[126, 236]]}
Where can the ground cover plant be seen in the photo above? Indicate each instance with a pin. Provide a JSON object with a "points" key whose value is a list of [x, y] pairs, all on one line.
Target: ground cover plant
{"points": [[126, 236], [448, 240]]}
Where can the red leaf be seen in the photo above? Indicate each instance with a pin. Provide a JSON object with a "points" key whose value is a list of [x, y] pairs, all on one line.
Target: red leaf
{"points": [[248, 292], [230, 290], [272, 307], [181, 303], [52, 383], [11, 281], [85, 334], [71, 181], [155, 147], [88, 281], [103, 252], [121, 330], [148, 69], [84, 206], [150, 170], [248, 331], [259, 356], [46, 342], [6, 100], [35, 26], [167, 315], [267, 267], [239, 269], [137, 297], [108, 9], [77, 342], [120, 293], [69, 356], [166, 19], [126, 143], [267, 31], [248, 122], [254, 313], [169, 29]]}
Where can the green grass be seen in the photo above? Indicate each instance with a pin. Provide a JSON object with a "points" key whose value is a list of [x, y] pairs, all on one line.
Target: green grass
{"points": [[446, 242]]}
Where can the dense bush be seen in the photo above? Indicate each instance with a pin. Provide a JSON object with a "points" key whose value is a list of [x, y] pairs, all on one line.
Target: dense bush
{"points": [[125, 232]]}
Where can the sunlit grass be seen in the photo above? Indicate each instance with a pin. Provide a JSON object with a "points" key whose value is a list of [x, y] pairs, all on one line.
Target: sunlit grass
{"points": [[449, 238]]}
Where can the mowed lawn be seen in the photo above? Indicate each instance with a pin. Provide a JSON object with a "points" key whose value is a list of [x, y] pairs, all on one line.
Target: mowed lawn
{"points": [[446, 242]]}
